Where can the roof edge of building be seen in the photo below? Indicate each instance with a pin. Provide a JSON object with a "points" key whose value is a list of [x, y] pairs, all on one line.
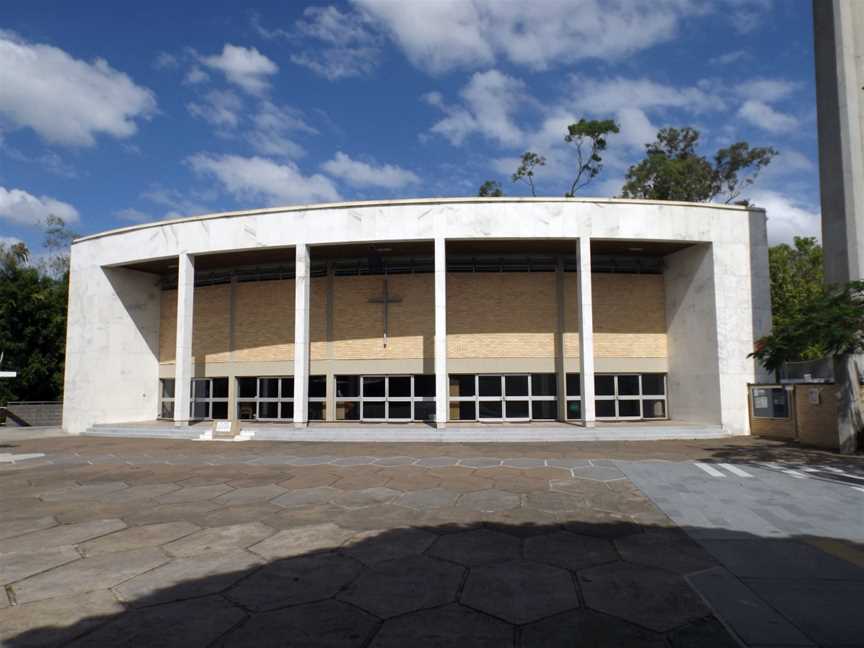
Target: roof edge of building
{"points": [[408, 201]]}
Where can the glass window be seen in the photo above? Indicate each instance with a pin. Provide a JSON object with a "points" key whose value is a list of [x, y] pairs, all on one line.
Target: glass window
{"points": [[628, 385], [287, 387], [220, 410], [317, 410], [268, 410], [654, 384], [544, 410], [605, 408], [247, 410], [317, 387], [574, 385], [543, 385], [515, 385], [489, 385], [373, 387], [770, 402], [516, 409], [168, 388], [424, 410], [167, 409], [574, 409], [489, 409], [373, 409], [347, 386], [604, 385], [399, 409], [286, 410], [200, 388], [268, 388], [399, 386], [348, 411], [424, 385], [463, 410], [629, 408], [247, 387], [462, 385], [201, 410], [653, 408], [220, 388]]}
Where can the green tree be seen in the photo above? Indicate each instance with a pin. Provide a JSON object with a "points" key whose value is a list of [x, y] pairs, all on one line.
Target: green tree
{"points": [[674, 170], [525, 171], [797, 279], [592, 135], [32, 328], [491, 188], [832, 320]]}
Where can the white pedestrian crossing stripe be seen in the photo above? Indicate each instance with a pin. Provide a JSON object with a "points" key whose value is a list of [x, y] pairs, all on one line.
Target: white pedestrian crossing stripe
{"points": [[708, 469], [735, 470]]}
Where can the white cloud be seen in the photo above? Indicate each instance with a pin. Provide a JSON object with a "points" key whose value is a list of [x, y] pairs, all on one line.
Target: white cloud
{"points": [[164, 61], [179, 203], [605, 95], [490, 100], [445, 34], [787, 217], [22, 208], [764, 116], [220, 108], [729, 57], [67, 100], [636, 129], [257, 178], [133, 215], [767, 90], [9, 241], [243, 66], [362, 174]]}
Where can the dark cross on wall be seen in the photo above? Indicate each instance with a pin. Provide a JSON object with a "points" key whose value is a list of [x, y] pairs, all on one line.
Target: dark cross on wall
{"points": [[385, 300]]}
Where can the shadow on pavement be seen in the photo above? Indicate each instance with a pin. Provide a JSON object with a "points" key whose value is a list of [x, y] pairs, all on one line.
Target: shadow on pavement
{"points": [[574, 584]]}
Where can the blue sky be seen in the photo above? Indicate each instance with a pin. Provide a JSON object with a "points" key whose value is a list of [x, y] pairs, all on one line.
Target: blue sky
{"points": [[114, 114]]}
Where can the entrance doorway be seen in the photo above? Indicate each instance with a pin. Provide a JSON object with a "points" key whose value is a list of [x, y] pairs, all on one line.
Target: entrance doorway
{"points": [[504, 397]]}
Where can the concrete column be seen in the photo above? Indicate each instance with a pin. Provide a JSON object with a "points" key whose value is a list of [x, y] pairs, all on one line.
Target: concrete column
{"points": [[586, 332], [232, 377], [302, 285], [442, 380], [560, 364], [183, 367]]}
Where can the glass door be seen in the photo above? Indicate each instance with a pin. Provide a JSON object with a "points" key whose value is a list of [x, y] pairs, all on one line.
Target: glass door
{"points": [[490, 398], [517, 398]]}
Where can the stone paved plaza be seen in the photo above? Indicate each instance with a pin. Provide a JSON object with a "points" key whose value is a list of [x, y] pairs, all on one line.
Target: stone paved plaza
{"points": [[111, 542]]}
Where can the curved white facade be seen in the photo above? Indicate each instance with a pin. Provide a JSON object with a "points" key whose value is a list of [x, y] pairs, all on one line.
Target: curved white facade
{"points": [[716, 287]]}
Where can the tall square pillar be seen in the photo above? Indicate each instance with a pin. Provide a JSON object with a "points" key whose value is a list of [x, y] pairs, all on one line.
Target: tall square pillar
{"points": [[442, 380], [183, 352], [302, 285], [586, 332]]}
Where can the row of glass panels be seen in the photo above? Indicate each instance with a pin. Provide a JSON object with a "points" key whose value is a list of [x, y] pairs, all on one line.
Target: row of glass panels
{"points": [[483, 397]]}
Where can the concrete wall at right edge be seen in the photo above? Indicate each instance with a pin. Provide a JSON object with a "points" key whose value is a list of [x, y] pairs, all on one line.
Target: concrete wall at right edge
{"points": [[691, 325]]}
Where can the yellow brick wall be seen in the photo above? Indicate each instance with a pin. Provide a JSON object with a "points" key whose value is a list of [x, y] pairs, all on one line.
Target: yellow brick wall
{"points": [[489, 315], [501, 315], [358, 326]]}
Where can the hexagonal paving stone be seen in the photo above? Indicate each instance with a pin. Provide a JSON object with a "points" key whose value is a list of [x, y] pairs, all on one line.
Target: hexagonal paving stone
{"points": [[329, 624], [524, 462], [87, 491], [553, 502], [54, 622], [14, 528], [436, 462], [398, 586], [412, 479], [171, 512], [477, 547], [17, 566], [429, 498], [218, 539], [251, 494], [394, 461], [88, 574], [58, 536], [480, 462], [520, 591], [198, 622], [379, 516], [591, 629], [489, 500], [294, 581], [151, 535], [194, 494], [652, 598], [184, 578], [569, 550], [366, 497], [138, 493], [451, 625], [302, 540], [597, 473], [309, 478], [238, 514], [670, 550], [354, 461], [306, 496], [378, 545], [601, 524], [705, 633]]}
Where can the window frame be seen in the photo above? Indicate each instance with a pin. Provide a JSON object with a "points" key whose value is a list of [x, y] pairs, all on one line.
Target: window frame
{"points": [[279, 399]]}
